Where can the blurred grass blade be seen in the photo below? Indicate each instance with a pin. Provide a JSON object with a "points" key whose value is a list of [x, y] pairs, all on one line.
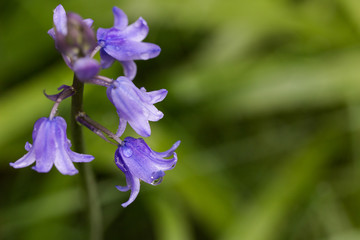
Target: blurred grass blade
{"points": [[268, 212]]}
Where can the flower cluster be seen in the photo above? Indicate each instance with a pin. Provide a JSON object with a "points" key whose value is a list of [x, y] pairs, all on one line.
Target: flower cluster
{"points": [[77, 42]]}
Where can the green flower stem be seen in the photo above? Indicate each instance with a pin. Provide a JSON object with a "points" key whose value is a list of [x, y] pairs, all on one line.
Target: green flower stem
{"points": [[97, 128], [86, 172]]}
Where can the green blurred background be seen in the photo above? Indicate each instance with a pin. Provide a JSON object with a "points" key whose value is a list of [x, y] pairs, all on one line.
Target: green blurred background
{"points": [[264, 94]]}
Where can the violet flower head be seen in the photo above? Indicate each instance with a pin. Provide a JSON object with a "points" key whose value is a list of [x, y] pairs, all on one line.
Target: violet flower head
{"points": [[124, 43], [75, 40], [135, 106], [51, 147], [139, 162]]}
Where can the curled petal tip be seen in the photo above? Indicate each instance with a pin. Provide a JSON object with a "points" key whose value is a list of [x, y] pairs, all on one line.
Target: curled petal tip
{"points": [[66, 91], [120, 18], [142, 21], [122, 188], [176, 144]]}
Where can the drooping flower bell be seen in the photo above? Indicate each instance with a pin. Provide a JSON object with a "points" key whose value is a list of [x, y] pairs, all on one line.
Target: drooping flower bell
{"points": [[51, 147], [75, 40], [124, 43], [139, 162], [135, 106]]}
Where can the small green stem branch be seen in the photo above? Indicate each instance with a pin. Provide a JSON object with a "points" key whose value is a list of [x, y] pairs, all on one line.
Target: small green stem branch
{"points": [[97, 128], [86, 172]]}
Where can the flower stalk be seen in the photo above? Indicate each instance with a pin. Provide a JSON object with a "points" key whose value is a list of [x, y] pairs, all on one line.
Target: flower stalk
{"points": [[86, 172], [97, 128]]}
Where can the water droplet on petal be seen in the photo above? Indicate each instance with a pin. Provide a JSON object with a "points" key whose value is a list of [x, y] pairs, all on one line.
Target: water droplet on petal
{"points": [[157, 177], [127, 151], [157, 181]]}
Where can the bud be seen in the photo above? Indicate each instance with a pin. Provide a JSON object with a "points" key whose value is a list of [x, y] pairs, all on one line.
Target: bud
{"points": [[79, 40], [74, 36]]}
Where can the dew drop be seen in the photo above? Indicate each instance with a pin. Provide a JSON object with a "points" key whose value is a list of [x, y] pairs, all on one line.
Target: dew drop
{"points": [[157, 181], [127, 152], [157, 177]]}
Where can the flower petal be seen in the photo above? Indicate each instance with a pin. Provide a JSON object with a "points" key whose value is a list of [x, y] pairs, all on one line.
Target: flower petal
{"points": [[122, 127], [51, 32], [45, 146], [60, 20], [133, 183], [122, 188], [78, 157], [120, 18], [66, 144], [37, 125], [153, 113], [25, 161], [156, 96], [129, 69], [101, 34], [106, 59], [28, 146], [62, 160], [155, 160], [66, 60], [137, 31], [141, 126], [64, 164], [124, 50], [88, 21], [169, 152], [165, 164]]}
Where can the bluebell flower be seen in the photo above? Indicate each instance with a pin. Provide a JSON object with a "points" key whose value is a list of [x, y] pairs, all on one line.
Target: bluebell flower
{"points": [[135, 106], [124, 43], [51, 147], [139, 162], [75, 40]]}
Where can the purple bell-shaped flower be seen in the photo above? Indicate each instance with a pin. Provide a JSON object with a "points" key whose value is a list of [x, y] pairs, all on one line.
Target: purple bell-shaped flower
{"points": [[139, 162], [134, 105], [75, 40], [124, 43], [51, 147]]}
